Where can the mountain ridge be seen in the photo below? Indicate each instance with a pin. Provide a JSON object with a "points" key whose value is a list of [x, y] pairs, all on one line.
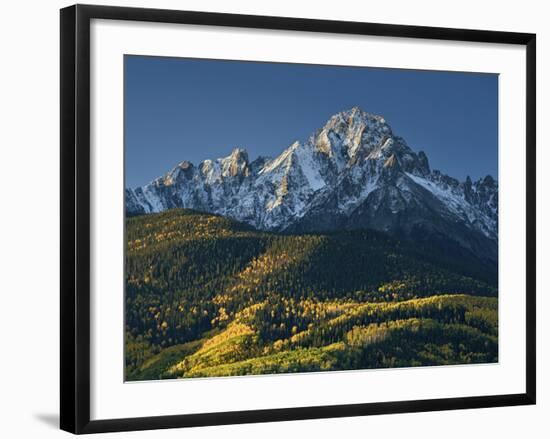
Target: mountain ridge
{"points": [[354, 172]]}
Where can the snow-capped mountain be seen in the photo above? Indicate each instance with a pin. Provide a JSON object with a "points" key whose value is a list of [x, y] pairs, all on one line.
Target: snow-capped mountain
{"points": [[352, 173]]}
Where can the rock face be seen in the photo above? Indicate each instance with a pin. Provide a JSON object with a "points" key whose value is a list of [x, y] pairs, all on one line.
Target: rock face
{"points": [[352, 173]]}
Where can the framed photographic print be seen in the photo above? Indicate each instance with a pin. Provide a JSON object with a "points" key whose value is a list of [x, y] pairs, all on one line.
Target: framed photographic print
{"points": [[304, 218]]}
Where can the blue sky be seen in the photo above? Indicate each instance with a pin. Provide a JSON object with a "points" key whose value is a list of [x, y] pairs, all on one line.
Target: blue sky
{"points": [[186, 109]]}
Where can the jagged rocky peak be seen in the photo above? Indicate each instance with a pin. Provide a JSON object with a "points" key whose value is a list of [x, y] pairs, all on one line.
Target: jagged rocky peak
{"points": [[239, 155], [182, 170], [355, 119], [488, 181], [350, 132], [423, 163], [484, 192], [184, 167], [236, 163], [444, 180], [354, 135]]}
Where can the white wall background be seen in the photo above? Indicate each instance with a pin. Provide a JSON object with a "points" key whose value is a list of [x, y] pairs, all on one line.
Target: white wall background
{"points": [[29, 244]]}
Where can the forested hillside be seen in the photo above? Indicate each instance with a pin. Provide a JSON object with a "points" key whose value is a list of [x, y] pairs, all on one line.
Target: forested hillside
{"points": [[207, 296]]}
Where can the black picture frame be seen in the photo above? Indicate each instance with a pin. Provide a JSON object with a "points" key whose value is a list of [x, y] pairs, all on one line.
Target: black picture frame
{"points": [[75, 217]]}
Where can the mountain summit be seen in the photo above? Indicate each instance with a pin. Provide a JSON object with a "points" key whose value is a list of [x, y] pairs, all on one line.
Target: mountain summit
{"points": [[352, 173]]}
